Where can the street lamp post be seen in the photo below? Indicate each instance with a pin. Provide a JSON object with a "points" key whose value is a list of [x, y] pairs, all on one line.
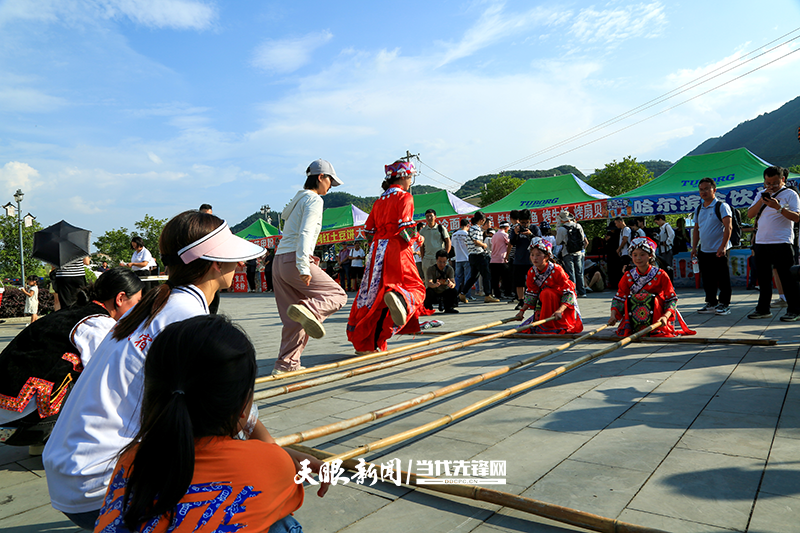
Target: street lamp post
{"points": [[18, 197], [27, 220], [265, 209]]}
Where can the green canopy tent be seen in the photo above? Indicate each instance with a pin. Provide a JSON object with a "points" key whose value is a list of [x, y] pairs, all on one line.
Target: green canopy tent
{"points": [[445, 203], [340, 224], [738, 173], [545, 197], [261, 233]]}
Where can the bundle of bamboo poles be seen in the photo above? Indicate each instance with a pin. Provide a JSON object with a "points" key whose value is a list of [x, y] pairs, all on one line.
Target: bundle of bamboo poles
{"points": [[336, 427], [330, 378], [369, 356], [447, 419]]}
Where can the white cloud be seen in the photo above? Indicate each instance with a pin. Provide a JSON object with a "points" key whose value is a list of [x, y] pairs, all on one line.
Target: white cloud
{"points": [[15, 175], [81, 205], [154, 158], [177, 14], [495, 25], [287, 55], [610, 26], [22, 100]]}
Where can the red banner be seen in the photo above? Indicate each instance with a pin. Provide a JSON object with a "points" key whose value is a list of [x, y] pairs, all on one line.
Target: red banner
{"points": [[239, 282]]}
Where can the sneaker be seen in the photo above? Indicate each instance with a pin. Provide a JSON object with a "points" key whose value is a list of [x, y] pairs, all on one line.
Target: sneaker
{"points": [[462, 298], [397, 308], [723, 310], [708, 309], [304, 316], [490, 300], [519, 306], [779, 302], [790, 317], [756, 315], [276, 372], [451, 311]]}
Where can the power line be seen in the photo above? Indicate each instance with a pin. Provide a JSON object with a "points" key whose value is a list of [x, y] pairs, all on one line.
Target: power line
{"points": [[664, 111], [660, 99]]}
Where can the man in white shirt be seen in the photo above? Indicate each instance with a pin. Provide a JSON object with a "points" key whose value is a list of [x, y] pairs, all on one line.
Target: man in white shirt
{"points": [[666, 236], [775, 210], [624, 242]]}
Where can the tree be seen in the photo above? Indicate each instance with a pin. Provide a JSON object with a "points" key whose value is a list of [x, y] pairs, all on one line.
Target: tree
{"points": [[617, 178], [9, 248], [795, 169], [499, 188], [116, 243]]}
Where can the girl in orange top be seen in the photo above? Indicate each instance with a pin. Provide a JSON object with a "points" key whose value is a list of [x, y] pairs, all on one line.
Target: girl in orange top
{"points": [[187, 470]]}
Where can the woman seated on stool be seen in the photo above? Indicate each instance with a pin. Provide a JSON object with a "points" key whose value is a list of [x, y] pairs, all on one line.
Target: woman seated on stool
{"points": [[646, 296], [549, 292]]}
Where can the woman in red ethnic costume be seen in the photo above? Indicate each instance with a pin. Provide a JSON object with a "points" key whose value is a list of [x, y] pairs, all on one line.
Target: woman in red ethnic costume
{"points": [[549, 292], [391, 295], [646, 296]]}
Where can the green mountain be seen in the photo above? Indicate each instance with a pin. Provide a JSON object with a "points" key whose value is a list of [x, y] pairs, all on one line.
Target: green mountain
{"points": [[772, 136]]}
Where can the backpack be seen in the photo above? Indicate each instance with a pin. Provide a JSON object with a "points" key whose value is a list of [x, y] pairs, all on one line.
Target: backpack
{"points": [[736, 222], [452, 253], [574, 239]]}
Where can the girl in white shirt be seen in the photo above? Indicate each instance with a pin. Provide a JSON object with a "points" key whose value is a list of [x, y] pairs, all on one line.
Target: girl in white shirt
{"points": [[101, 415]]}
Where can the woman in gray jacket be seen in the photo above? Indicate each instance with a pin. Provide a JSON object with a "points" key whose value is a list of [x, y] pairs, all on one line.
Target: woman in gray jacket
{"points": [[304, 293]]}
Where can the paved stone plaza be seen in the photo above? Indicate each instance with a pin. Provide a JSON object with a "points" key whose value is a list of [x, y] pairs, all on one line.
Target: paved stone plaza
{"points": [[679, 437]]}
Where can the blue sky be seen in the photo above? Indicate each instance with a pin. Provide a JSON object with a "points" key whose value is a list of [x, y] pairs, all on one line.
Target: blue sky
{"points": [[110, 109]]}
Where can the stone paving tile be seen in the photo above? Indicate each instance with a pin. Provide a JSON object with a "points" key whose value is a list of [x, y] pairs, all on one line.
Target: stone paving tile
{"points": [[782, 476], [341, 506], [425, 512], [752, 399], [19, 498], [775, 515], [669, 523], [512, 520], [592, 488], [731, 434], [659, 409], [629, 444], [789, 426], [14, 473], [41, 519], [492, 425], [530, 453], [704, 487], [582, 415]]}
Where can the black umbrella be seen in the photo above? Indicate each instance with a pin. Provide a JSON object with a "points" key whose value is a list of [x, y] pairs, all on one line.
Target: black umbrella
{"points": [[61, 243]]}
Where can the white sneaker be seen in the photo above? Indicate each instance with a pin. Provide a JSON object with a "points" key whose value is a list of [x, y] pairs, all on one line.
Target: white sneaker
{"points": [[722, 310], [304, 316], [778, 302], [708, 309], [397, 308], [276, 372]]}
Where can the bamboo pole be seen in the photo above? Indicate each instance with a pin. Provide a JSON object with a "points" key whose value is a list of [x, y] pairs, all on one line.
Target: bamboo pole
{"points": [[336, 427], [689, 339], [419, 430], [550, 511], [367, 357], [330, 378]]}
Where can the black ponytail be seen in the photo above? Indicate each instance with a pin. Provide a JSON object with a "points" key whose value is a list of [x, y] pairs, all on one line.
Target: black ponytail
{"points": [[109, 284], [198, 376]]}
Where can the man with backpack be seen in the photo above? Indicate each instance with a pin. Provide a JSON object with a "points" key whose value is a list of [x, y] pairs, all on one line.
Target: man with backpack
{"points": [[776, 209], [712, 233], [573, 243], [436, 238]]}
